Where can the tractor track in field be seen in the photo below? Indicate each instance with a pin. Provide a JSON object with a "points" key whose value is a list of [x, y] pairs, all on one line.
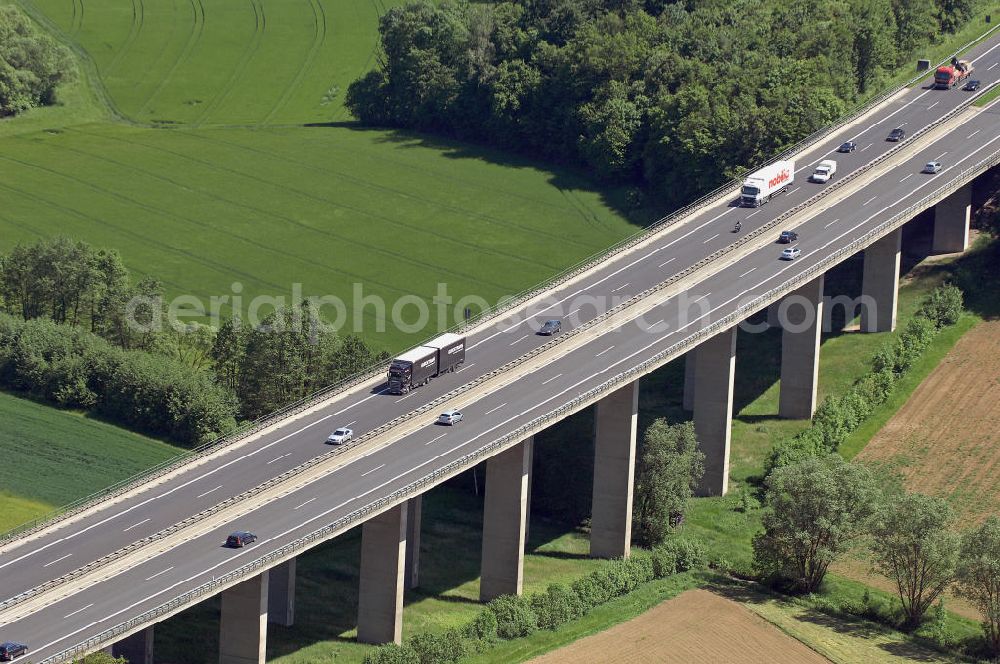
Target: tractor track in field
{"points": [[224, 270], [138, 19], [326, 201], [476, 215], [319, 38], [260, 26], [198, 27], [289, 220], [76, 23]]}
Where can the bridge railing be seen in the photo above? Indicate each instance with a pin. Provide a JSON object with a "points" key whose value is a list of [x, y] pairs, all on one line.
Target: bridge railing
{"points": [[372, 373], [522, 432]]}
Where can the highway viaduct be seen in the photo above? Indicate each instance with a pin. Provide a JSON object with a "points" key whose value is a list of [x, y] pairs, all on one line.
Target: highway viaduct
{"points": [[86, 582]]}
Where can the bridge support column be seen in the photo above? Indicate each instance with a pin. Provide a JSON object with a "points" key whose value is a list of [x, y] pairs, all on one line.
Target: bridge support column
{"points": [[281, 594], [774, 314], [713, 408], [243, 625], [951, 222], [689, 360], [505, 517], [880, 284], [383, 562], [414, 510], [614, 469], [137, 648], [803, 315]]}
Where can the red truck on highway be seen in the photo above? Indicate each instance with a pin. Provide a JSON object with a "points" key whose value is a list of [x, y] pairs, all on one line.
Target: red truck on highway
{"points": [[948, 76]]}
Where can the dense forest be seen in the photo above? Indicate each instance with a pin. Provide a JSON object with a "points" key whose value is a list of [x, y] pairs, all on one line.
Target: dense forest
{"points": [[672, 97]]}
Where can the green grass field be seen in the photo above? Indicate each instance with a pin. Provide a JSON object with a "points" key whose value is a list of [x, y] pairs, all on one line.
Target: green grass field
{"points": [[217, 177], [59, 456]]}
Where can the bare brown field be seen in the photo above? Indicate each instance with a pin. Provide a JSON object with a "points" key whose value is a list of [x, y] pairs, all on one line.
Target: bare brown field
{"points": [[696, 626], [946, 439]]}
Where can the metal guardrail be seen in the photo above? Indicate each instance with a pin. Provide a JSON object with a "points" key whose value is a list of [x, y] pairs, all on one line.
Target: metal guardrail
{"points": [[373, 372], [435, 477]]}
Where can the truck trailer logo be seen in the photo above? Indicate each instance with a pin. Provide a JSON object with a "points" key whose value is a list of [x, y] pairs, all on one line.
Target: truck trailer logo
{"points": [[427, 363], [783, 176], [456, 349]]}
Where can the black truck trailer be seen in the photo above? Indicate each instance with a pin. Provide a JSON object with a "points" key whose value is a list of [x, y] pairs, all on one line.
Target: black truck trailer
{"points": [[416, 367]]}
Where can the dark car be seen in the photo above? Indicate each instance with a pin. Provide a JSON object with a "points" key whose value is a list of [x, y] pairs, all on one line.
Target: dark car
{"points": [[971, 86], [240, 538], [788, 236], [11, 650], [551, 327], [896, 135], [848, 146]]}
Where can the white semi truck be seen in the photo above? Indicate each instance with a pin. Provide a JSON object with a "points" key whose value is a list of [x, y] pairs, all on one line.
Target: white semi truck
{"points": [[760, 186]]}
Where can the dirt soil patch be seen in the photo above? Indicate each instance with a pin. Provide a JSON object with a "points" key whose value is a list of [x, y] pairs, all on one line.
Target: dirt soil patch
{"points": [[946, 439], [696, 626]]}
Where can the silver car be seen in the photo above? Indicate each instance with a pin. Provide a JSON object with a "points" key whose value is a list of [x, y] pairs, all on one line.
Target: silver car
{"points": [[932, 167], [450, 417], [791, 253], [340, 436]]}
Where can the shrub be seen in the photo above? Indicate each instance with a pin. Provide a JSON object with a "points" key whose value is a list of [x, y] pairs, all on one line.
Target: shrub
{"points": [[515, 617], [943, 306], [688, 553], [639, 569], [483, 627], [556, 606], [435, 648], [664, 561], [392, 654], [588, 591], [792, 450], [71, 367]]}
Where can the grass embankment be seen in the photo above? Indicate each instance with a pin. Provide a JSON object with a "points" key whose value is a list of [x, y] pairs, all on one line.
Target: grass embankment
{"points": [[258, 182], [54, 457]]}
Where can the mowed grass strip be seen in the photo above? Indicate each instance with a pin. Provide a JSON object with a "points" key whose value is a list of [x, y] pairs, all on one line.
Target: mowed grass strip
{"points": [[53, 457], [326, 207], [242, 62]]}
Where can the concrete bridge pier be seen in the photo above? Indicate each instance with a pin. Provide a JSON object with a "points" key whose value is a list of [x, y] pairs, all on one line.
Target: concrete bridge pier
{"points": [[137, 648], [715, 370], [951, 222], [383, 561], [688, 401], [800, 337], [243, 625], [281, 594], [414, 514], [505, 519], [880, 284], [615, 422]]}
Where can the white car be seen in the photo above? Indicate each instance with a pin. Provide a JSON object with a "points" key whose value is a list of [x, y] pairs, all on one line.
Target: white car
{"points": [[932, 167], [791, 253], [450, 417], [340, 436]]}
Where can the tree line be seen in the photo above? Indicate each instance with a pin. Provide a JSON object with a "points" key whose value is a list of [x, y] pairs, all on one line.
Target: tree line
{"points": [[675, 97], [32, 64], [72, 334]]}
